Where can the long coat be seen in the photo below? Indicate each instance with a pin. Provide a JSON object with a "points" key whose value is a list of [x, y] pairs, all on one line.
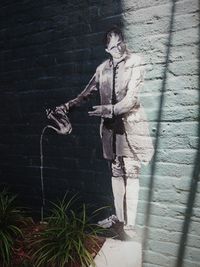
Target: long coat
{"points": [[124, 127]]}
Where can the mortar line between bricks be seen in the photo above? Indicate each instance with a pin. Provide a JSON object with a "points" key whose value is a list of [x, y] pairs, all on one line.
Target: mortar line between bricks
{"points": [[52, 5], [99, 33], [71, 64], [171, 232], [152, 227], [167, 217], [150, 6]]}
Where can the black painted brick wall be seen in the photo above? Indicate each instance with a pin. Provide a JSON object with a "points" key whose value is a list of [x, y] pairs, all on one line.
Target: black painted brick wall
{"points": [[49, 50]]}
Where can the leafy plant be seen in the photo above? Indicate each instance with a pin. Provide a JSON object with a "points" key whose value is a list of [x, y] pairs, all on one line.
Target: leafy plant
{"points": [[10, 221], [63, 241]]}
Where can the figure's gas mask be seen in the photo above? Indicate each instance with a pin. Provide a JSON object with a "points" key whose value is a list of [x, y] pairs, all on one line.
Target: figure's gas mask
{"points": [[61, 121], [116, 46]]}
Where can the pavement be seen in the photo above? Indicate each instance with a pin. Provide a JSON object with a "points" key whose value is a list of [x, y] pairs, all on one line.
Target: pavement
{"points": [[117, 253]]}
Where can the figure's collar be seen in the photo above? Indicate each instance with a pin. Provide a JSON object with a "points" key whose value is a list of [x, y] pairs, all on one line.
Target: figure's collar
{"points": [[116, 62]]}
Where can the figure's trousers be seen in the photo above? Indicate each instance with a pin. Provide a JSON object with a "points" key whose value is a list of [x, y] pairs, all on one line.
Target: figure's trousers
{"points": [[125, 186]]}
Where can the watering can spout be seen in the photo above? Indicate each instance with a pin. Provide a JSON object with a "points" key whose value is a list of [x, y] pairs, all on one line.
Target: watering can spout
{"points": [[61, 125], [61, 121]]}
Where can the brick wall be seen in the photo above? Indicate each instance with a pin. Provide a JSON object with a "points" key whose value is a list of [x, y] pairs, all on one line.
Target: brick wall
{"points": [[49, 50], [167, 34]]}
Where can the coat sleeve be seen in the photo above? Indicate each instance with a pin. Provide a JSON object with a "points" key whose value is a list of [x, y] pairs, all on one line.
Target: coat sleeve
{"points": [[89, 90], [135, 83]]}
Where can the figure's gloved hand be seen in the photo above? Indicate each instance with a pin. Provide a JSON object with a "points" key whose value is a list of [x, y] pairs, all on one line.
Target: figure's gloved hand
{"points": [[104, 111]]}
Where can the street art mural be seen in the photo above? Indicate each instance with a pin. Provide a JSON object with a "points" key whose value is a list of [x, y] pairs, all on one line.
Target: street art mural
{"points": [[124, 129], [145, 96]]}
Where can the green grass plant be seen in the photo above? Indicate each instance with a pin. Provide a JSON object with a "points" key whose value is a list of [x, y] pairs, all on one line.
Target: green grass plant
{"points": [[63, 241], [10, 220]]}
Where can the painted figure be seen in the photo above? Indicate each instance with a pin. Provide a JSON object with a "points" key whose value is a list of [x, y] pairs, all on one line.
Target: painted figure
{"points": [[124, 128]]}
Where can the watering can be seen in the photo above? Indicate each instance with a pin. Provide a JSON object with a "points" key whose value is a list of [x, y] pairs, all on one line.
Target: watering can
{"points": [[60, 120]]}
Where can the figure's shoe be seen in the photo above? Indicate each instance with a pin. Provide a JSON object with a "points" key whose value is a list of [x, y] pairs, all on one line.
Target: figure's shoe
{"points": [[108, 222]]}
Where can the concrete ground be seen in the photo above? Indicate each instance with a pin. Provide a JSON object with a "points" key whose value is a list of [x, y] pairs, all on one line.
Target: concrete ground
{"points": [[116, 253]]}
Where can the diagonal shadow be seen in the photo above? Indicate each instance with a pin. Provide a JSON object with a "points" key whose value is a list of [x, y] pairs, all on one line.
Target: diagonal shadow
{"points": [[159, 119], [193, 184]]}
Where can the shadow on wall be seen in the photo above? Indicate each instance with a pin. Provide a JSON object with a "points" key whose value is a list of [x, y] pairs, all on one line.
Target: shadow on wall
{"points": [[195, 177], [194, 182], [159, 120]]}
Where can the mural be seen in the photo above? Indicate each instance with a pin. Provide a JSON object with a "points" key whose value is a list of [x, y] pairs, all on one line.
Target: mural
{"points": [[124, 128], [49, 52]]}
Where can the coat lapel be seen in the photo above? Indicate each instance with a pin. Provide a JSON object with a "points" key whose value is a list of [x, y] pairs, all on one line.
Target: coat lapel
{"points": [[106, 84]]}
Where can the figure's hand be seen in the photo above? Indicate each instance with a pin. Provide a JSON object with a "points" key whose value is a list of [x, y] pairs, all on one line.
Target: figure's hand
{"points": [[96, 112]]}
